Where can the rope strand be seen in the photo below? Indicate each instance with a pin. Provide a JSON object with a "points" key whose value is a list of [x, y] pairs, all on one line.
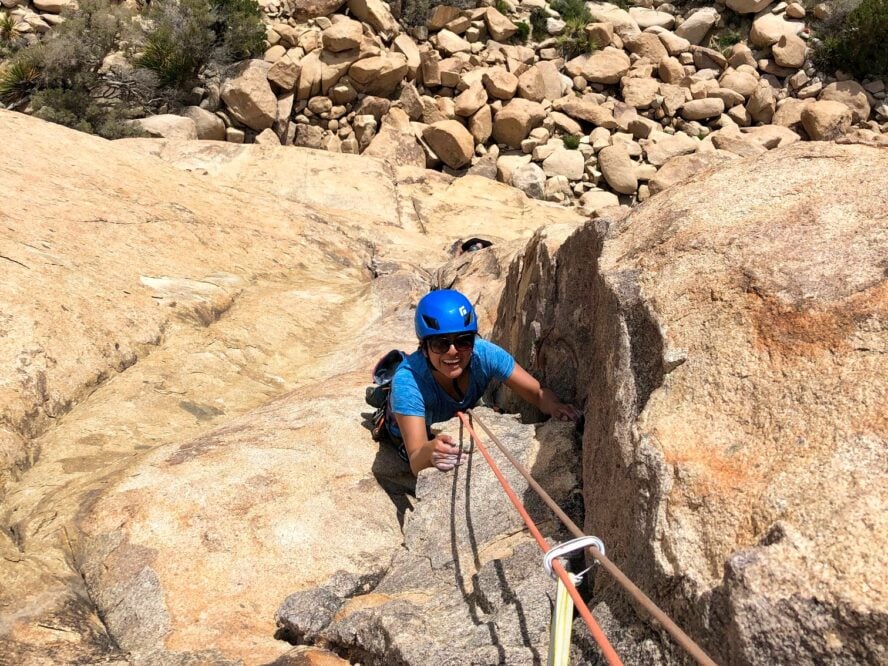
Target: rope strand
{"points": [[607, 650], [675, 631]]}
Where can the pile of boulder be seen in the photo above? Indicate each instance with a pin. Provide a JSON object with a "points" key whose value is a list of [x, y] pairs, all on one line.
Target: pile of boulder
{"points": [[662, 95]]}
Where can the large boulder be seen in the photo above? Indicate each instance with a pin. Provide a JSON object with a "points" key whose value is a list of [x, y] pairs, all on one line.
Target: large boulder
{"points": [[451, 142], [826, 120], [185, 422], [248, 95], [168, 126], [608, 65], [515, 120], [726, 341], [303, 10], [379, 75], [851, 94]]}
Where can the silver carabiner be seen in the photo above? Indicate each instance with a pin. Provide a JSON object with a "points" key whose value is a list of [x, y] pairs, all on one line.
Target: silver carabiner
{"points": [[568, 547]]}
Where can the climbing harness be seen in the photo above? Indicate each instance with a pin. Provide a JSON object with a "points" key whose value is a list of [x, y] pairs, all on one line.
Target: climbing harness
{"points": [[597, 554]]}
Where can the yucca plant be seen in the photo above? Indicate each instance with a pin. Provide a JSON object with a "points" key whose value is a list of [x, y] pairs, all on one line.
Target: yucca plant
{"points": [[7, 25], [18, 78]]}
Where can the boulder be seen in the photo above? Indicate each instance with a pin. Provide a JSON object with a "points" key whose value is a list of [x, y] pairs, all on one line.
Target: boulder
{"points": [[500, 28], [734, 142], [451, 142], [701, 109], [531, 85], [396, 143], [647, 45], [209, 126], [531, 180], [513, 122], [404, 44], [640, 92], [379, 75], [308, 136], [622, 21], [674, 44], [587, 111], [248, 95], [284, 74], [789, 51], [762, 280], [608, 65], [343, 36], [618, 169], [826, 120], [663, 147], [470, 100], [771, 136], [168, 126], [375, 13], [748, 6], [696, 26], [684, 167], [450, 43], [52, 6], [304, 10], [481, 125], [500, 84], [741, 82], [563, 162], [789, 111], [441, 15], [594, 201], [851, 94], [671, 70], [650, 18], [767, 29], [762, 103]]}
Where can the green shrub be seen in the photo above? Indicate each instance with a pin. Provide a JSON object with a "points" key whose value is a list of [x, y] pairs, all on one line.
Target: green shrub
{"points": [[64, 78], [572, 11], [523, 33], [19, 77], [79, 110], [855, 43], [502, 7], [179, 41], [575, 41], [571, 141], [538, 18], [7, 25], [238, 29], [186, 35]]}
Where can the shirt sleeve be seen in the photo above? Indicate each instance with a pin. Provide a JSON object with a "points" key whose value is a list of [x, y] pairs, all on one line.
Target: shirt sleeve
{"points": [[497, 362], [407, 399]]}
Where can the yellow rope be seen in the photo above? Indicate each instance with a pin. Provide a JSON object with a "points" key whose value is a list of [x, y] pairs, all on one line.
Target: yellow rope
{"points": [[562, 625]]}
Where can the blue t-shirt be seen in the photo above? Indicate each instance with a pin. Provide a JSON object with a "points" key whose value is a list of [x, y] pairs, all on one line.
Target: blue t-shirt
{"points": [[416, 393]]}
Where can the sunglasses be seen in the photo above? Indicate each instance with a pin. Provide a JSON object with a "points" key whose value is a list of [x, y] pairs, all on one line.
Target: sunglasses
{"points": [[440, 344]]}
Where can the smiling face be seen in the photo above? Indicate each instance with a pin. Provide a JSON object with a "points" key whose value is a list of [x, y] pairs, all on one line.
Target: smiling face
{"points": [[450, 364]]}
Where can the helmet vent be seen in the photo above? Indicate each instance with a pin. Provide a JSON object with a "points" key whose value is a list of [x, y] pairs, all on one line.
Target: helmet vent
{"points": [[467, 319], [431, 322]]}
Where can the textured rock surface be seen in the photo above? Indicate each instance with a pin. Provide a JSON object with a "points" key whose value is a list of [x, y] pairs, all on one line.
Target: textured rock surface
{"points": [[468, 586], [730, 358], [166, 499]]}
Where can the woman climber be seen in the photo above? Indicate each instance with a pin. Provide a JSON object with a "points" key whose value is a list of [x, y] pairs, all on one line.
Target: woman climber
{"points": [[449, 373]]}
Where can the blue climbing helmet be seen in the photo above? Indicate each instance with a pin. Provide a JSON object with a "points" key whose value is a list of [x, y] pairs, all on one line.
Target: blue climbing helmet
{"points": [[444, 311]]}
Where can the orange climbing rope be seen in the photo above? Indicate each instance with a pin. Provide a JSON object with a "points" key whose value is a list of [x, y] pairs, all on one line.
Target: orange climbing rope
{"points": [[680, 636], [607, 650]]}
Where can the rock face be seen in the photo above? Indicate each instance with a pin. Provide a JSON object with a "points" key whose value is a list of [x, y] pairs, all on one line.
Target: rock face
{"points": [[468, 586], [726, 340], [207, 413]]}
